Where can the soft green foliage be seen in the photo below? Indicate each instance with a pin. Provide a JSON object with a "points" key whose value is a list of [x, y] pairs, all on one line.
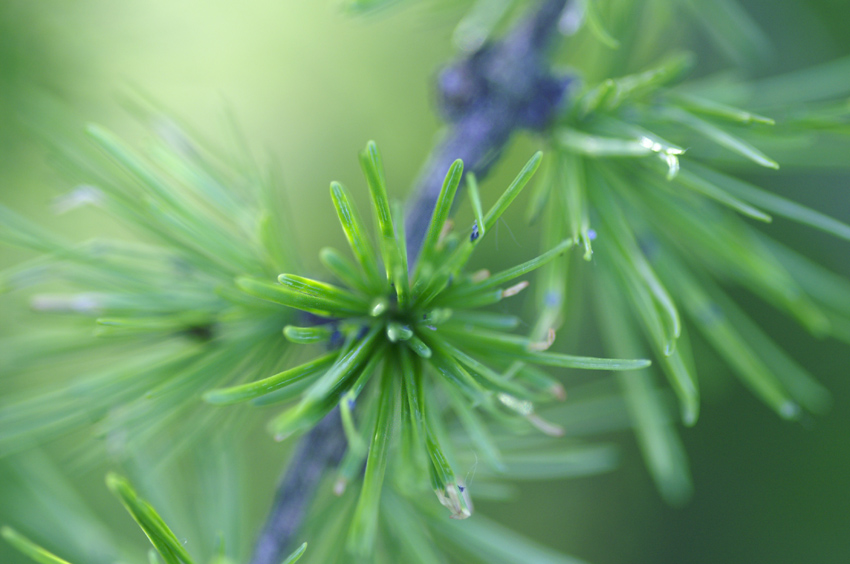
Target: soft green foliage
{"points": [[162, 538], [678, 214], [412, 529], [26, 546], [420, 330], [648, 174], [167, 546], [174, 318], [167, 311]]}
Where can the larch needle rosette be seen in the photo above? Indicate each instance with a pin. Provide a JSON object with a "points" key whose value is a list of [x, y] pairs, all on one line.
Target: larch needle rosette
{"points": [[419, 332], [674, 227], [653, 175], [168, 321]]}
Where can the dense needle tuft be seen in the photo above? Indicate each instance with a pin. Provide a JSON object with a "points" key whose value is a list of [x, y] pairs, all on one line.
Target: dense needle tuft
{"points": [[415, 336]]}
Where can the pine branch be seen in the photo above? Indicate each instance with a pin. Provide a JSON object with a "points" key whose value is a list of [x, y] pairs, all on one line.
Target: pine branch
{"points": [[487, 96]]}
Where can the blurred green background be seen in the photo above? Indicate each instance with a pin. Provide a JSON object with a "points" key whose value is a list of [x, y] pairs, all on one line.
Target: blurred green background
{"points": [[309, 86]]}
